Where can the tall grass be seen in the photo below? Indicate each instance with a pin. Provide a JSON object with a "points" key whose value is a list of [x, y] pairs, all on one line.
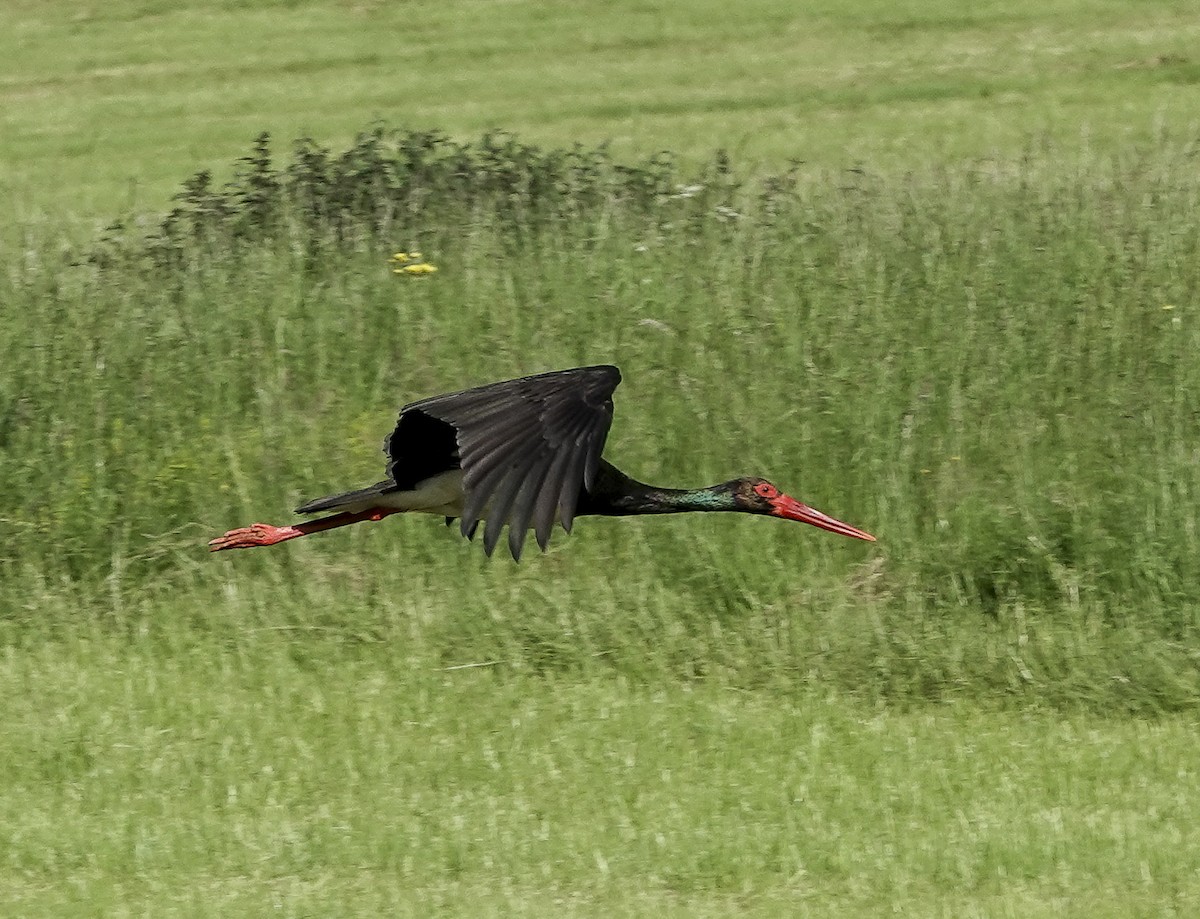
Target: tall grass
{"points": [[991, 366]]}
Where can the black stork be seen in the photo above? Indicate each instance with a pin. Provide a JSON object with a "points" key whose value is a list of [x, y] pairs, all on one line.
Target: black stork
{"points": [[520, 452]]}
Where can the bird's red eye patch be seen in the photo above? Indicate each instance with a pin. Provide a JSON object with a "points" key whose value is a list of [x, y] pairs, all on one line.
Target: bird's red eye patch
{"points": [[766, 490]]}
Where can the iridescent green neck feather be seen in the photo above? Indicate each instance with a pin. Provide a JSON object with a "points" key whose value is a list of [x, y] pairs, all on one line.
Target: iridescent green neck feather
{"points": [[615, 494]]}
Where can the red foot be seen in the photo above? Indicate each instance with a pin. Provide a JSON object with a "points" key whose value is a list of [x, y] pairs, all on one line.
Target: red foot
{"points": [[257, 534]]}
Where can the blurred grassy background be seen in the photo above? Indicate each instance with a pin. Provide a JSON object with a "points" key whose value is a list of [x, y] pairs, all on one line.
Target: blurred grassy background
{"points": [[966, 322]]}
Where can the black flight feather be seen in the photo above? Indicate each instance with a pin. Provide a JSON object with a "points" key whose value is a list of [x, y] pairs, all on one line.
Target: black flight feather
{"points": [[527, 448]]}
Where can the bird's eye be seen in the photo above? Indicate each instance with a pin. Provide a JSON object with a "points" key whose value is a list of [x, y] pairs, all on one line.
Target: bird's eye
{"points": [[766, 490]]}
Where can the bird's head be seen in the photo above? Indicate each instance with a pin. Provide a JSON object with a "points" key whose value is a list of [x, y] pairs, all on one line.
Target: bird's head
{"points": [[758, 496]]}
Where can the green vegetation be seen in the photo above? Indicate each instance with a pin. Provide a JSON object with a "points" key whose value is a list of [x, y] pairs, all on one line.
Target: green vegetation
{"points": [[106, 106], [986, 360], [990, 366], [268, 773]]}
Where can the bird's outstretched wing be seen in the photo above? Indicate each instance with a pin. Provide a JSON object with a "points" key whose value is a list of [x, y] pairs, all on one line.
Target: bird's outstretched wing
{"points": [[526, 447]]}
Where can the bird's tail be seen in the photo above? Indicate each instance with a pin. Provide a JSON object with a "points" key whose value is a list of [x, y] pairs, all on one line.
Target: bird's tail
{"points": [[346, 498]]}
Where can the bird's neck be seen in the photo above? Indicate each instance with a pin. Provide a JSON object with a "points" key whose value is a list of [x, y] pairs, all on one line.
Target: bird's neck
{"points": [[617, 495]]}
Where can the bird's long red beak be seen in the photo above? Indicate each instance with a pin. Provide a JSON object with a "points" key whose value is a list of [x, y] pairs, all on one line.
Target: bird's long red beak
{"points": [[790, 509]]}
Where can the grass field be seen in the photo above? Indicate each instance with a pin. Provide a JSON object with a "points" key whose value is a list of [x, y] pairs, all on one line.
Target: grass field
{"points": [[966, 322], [106, 105], [323, 781]]}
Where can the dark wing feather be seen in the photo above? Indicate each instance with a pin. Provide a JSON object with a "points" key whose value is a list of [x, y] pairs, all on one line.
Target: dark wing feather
{"points": [[526, 447], [421, 446]]}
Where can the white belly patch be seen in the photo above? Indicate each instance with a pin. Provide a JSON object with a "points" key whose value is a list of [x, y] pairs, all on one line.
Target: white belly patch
{"points": [[439, 494]]}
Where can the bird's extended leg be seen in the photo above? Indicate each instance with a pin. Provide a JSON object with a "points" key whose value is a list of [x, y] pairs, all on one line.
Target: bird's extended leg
{"points": [[264, 534]]}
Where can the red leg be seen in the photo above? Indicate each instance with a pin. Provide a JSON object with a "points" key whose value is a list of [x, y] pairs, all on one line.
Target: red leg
{"points": [[263, 534]]}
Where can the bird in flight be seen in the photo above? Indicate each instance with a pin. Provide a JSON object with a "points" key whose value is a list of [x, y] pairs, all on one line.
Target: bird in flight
{"points": [[524, 453]]}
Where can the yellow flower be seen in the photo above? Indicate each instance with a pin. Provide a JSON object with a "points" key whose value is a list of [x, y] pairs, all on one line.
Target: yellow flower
{"points": [[422, 268], [411, 263]]}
